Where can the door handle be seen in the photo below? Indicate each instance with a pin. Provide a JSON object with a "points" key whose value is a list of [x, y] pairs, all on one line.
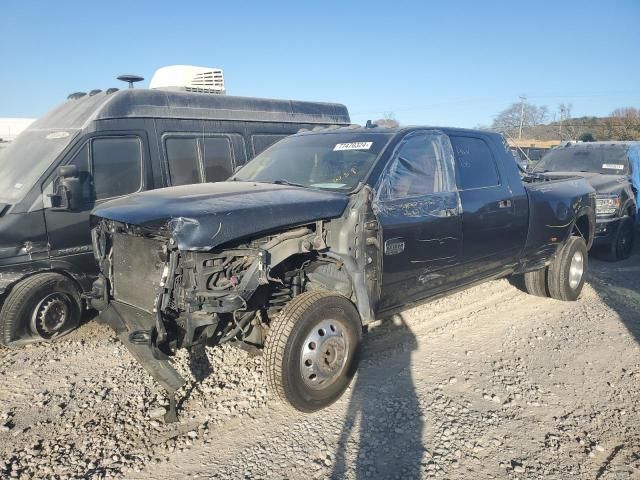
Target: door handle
{"points": [[448, 212], [504, 204]]}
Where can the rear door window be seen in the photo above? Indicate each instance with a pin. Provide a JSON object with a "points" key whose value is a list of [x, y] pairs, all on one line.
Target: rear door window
{"points": [[475, 165], [117, 166]]}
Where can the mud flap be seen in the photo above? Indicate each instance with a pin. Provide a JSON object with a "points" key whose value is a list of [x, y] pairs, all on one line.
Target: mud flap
{"points": [[126, 320]]}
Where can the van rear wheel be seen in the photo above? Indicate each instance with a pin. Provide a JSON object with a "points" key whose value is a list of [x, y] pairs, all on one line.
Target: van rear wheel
{"points": [[311, 350], [41, 307]]}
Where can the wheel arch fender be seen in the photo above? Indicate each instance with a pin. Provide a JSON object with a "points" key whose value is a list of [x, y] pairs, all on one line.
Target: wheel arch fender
{"points": [[584, 225], [10, 278]]}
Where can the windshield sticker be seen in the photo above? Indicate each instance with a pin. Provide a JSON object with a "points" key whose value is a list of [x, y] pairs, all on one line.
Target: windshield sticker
{"points": [[613, 166], [329, 185], [56, 135], [352, 146]]}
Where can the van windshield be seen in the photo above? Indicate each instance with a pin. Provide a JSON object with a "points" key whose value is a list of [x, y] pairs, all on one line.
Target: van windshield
{"points": [[25, 159], [333, 161]]}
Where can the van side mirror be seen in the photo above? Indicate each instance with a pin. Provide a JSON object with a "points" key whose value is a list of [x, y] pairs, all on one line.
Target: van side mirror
{"points": [[68, 189]]}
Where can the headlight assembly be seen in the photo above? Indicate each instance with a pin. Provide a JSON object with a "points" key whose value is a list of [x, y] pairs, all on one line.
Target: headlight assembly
{"points": [[607, 204]]}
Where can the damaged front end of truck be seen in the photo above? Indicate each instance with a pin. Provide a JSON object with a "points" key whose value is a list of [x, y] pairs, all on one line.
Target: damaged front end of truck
{"points": [[178, 282]]}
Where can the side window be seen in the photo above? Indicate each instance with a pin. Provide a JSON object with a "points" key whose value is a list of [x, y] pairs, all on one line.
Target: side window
{"points": [[475, 166], [262, 142], [117, 166], [422, 165], [218, 160], [182, 157]]}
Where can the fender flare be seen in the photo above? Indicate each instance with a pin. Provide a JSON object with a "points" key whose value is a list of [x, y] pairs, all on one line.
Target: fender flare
{"points": [[585, 211]]}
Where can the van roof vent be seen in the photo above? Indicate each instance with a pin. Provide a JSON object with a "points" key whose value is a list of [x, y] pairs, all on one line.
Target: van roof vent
{"points": [[189, 78]]}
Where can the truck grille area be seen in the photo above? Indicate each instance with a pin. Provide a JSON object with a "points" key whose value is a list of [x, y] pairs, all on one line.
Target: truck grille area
{"points": [[138, 263]]}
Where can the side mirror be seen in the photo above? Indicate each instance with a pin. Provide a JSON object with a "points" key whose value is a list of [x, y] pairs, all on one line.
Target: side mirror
{"points": [[68, 189], [68, 171]]}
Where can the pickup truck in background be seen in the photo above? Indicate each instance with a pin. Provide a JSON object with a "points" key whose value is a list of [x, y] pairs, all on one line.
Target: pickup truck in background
{"points": [[613, 169], [322, 233]]}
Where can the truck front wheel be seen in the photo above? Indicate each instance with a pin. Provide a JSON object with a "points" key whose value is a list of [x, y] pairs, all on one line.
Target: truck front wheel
{"points": [[566, 274], [311, 350], [622, 243], [40, 307]]}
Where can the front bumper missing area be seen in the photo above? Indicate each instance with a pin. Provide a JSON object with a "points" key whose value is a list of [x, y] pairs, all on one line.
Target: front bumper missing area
{"points": [[128, 322]]}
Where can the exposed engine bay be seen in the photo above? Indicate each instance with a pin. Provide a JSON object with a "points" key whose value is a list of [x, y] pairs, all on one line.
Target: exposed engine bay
{"points": [[160, 298]]}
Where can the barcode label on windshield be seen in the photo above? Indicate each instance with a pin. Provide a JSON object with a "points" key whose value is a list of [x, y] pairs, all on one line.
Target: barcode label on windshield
{"points": [[353, 146], [613, 166]]}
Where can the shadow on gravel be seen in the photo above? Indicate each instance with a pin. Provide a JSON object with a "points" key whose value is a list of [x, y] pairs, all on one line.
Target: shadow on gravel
{"points": [[384, 404], [618, 284], [200, 369]]}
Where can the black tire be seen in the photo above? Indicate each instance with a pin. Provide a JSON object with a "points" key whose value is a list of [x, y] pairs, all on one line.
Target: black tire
{"points": [[535, 282], [559, 276], [288, 340], [41, 307], [622, 244]]}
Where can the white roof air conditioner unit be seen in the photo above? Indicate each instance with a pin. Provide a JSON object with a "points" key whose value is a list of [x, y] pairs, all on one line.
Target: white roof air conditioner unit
{"points": [[188, 78]]}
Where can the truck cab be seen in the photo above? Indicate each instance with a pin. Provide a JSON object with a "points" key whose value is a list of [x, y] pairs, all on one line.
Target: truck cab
{"points": [[105, 145]]}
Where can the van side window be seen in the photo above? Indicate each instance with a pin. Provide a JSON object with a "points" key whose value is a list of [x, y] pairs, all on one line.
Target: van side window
{"points": [[475, 166], [182, 157], [262, 142], [218, 160], [117, 166], [199, 159]]}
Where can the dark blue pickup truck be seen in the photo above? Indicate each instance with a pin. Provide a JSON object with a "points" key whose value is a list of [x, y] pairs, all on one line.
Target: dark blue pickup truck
{"points": [[324, 232]]}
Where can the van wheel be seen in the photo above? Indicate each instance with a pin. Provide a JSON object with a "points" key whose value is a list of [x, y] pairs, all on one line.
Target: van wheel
{"points": [[311, 350], [622, 244], [535, 282], [40, 307], [567, 272]]}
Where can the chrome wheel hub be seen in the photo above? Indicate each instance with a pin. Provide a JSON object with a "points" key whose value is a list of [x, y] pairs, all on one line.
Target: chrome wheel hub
{"points": [[324, 354], [50, 315], [576, 270]]}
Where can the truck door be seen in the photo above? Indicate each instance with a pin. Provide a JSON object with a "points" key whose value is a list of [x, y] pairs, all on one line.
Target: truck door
{"points": [[417, 207], [109, 167], [491, 234]]}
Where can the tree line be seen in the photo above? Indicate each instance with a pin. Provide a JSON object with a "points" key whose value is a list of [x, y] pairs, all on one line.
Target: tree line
{"points": [[539, 123]]}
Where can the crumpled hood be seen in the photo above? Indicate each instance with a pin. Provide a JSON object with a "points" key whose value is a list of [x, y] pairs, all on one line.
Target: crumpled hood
{"points": [[203, 216], [600, 183]]}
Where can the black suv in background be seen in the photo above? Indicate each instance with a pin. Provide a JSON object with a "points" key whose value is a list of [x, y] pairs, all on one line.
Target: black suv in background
{"points": [[613, 169]]}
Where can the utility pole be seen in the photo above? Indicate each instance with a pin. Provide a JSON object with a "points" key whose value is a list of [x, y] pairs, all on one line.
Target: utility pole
{"points": [[561, 119], [522, 99]]}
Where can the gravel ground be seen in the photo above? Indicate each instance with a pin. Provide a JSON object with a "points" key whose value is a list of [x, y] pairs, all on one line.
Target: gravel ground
{"points": [[486, 383]]}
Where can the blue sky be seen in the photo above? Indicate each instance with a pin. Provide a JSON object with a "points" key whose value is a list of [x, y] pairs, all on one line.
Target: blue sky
{"points": [[452, 63]]}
